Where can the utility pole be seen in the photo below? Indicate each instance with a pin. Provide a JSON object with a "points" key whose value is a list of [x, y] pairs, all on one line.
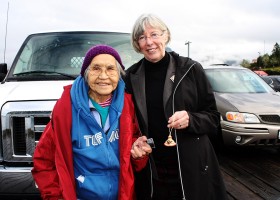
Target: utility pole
{"points": [[188, 43], [263, 47]]}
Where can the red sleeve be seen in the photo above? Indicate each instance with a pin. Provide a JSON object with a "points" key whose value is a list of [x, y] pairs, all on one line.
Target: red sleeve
{"points": [[44, 170], [138, 164]]}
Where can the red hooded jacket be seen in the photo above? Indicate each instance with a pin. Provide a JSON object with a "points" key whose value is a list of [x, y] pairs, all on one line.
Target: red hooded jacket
{"points": [[53, 158]]}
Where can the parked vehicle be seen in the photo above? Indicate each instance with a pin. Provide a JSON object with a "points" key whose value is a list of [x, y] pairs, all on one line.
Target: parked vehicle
{"points": [[44, 64], [249, 107], [273, 81], [260, 72]]}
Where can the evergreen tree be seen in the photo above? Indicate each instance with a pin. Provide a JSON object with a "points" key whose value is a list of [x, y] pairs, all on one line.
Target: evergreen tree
{"points": [[275, 56], [260, 62], [276, 50]]}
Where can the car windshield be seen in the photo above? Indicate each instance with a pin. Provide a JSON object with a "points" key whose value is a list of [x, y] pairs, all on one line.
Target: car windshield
{"points": [[236, 81], [267, 79], [51, 55], [277, 79]]}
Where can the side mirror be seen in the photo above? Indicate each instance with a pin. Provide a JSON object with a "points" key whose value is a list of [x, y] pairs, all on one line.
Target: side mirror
{"points": [[3, 71]]}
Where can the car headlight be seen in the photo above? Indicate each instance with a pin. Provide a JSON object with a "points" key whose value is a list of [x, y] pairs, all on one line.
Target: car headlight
{"points": [[242, 117]]}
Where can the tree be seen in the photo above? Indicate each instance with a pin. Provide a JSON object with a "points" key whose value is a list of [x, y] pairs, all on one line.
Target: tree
{"points": [[275, 56], [276, 50], [260, 62], [274, 62], [245, 63], [266, 60]]}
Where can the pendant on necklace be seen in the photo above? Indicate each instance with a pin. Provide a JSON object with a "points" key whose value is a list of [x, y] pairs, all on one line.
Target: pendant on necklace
{"points": [[170, 142]]}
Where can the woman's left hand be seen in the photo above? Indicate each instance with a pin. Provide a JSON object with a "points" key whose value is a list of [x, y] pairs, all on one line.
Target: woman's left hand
{"points": [[140, 148], [179, 120]]}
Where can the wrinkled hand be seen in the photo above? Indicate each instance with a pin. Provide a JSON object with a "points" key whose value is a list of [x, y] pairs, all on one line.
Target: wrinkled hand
{"points": [[179, 120], [140, 148]]}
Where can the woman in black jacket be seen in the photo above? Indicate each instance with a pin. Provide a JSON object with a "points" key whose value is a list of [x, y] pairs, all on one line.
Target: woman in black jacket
{"points": [[176, 107]]}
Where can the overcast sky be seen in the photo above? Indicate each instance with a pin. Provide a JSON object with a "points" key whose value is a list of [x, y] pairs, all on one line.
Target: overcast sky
{"points": [[219, 30]]}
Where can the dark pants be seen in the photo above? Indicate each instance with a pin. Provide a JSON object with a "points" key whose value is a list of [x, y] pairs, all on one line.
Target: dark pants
{"points": [[168, 187]]}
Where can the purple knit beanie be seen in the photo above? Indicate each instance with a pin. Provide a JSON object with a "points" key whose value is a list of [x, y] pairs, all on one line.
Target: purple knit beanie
{"points": [[96, 50]]}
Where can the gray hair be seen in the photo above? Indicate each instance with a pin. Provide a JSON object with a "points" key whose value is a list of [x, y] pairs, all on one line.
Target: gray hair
{"points": [[140, 25], [121, 72]]}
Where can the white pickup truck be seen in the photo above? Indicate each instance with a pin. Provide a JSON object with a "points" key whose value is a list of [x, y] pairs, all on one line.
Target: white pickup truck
{"points": [[28, 91]]}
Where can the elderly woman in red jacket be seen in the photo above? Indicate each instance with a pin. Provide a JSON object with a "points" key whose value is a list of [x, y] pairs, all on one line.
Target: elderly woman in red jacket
{"points": [[92, 145]]}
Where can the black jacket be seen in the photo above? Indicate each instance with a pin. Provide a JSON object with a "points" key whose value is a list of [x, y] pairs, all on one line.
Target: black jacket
{"points": [[192, 92]]}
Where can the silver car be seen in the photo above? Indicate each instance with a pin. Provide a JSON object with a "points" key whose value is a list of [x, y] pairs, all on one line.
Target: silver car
{"points": [[249, 107]]}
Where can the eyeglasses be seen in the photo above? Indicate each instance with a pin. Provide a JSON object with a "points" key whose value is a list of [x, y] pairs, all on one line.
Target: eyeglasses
{"points": [[153, 36], [110, 71]]}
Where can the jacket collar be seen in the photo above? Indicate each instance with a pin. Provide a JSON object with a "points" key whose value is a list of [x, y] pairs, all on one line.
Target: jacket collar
{"points": [[169, 82], [138, 86]]}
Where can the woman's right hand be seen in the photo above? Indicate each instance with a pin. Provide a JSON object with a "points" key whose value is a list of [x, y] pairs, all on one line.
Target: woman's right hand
{"points": [[140, 148]]}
